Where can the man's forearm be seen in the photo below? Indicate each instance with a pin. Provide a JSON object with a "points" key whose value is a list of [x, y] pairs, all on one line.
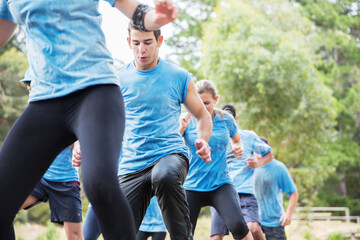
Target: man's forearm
{"points": [[7, 28], [292, 203], [266, 159]]}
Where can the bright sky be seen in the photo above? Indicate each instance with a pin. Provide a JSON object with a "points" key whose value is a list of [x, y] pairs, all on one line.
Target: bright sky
{"points": [[115, 28]]}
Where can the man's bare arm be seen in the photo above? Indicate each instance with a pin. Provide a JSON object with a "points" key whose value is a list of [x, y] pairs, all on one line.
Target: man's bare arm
{"points": [[7, 29]]}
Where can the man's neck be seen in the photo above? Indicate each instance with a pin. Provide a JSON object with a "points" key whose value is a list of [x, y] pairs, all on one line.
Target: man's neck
{"points": [[144, 68]]}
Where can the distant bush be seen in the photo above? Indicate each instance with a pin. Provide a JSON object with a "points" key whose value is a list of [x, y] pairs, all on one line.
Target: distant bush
{"points": [[21, 217], [39, 214], [331, 199], [336, 236]]}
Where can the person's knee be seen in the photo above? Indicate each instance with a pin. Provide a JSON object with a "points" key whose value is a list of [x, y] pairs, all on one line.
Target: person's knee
{"points": [[169, 171], [73, 231], [217, 237], [98, 187], [93, 188], [254, 228], [165, 179], [238, 228], [76, 236]]}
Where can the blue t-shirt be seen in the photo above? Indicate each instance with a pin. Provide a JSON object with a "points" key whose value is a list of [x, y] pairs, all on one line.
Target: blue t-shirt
{"points": [[271, 181], [62, 170], [66, 47], [240, 172], [202, 176], [152, 106], [5, 12], [153, 221]]}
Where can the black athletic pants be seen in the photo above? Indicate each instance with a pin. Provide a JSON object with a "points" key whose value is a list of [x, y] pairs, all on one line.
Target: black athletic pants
{"points": [[164, 179], [227, 203], [154, 235], [95, 116]]}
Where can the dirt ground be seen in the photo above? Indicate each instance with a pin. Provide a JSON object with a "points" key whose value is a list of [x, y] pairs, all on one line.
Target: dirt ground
{"points": [[319, 230]]}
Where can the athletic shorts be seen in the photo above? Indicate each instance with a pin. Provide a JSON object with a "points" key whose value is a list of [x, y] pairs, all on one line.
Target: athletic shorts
{"points": [[274, 233], [249, 209], [64, 200]]}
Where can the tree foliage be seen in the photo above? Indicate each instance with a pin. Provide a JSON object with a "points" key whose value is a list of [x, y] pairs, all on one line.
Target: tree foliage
{"points": [[188, 32], [259, 55], [338, 26], [325, 38], [13, 95]]}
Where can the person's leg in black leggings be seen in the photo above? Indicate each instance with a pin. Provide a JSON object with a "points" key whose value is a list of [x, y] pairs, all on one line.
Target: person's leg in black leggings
{"points": [[158, 236], [31, 145], [99, 125], [196, 202], [227, 202], [168, 176], [94, 115], [154, 235], [142, 235]]}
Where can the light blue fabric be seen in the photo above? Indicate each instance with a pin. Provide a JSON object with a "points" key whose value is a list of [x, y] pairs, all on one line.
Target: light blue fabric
{"points": [[62, 170], [65, 45], [5, 12], [240, 172], [203, 176], [271, 181], [152, 107], [153, 221]]}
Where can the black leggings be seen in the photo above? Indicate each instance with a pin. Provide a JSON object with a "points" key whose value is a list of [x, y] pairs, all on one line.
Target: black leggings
{"points": [[95, 116], [154, 235], [226, 201]]}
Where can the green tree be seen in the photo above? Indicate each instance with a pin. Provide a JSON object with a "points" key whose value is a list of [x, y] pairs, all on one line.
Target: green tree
{"points": [[258, 53], [13, 95], [186, 40], [338, 26], [334, 37]]}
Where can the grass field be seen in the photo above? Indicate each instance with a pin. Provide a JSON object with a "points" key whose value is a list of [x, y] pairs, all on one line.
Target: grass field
{"points": [[297, 231]]}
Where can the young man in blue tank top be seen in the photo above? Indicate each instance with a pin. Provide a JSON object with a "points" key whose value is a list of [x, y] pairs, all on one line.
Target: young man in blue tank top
{"points": [[154, 158], [242, 173]]}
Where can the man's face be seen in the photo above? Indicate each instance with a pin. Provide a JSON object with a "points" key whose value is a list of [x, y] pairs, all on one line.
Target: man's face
{"points": [[145, 48]]}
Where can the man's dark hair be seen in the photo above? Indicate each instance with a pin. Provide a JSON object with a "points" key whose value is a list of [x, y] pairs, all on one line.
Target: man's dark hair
{"points": [[157, 33], [265, 140], [229, 108]]}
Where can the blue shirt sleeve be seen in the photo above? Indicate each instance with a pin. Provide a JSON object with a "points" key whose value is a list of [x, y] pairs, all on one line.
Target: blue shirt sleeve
{"points": [[259, 146], [111, 2], [231, 124], [5, 12], [185, 87], [285, 181]]}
